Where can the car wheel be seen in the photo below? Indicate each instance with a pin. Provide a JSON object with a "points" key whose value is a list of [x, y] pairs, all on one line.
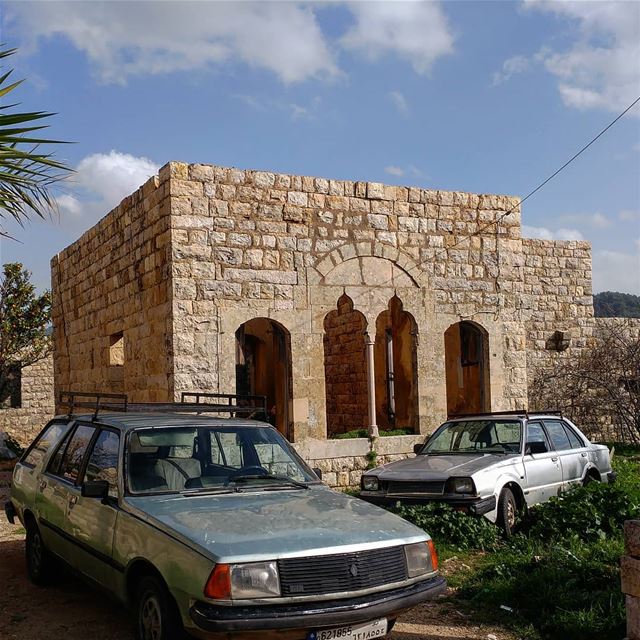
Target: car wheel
{"points": [[39, 560], [157, 617], [507, 512], [589, 479]]}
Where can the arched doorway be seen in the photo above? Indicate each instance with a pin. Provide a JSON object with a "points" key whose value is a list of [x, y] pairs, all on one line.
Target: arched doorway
{"points": [[395, 368], [466, 346], [345, 368], [263, 367]]}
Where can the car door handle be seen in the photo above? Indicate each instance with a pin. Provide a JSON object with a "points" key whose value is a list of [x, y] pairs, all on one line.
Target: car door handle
{"points": [[554, 459], [583, 455], [72, 501], [43, 485]]}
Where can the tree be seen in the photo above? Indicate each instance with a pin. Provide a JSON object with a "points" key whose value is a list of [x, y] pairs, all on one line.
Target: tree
{"points": [[24, 321], [599, 389], [612, 304], [26, 175]]}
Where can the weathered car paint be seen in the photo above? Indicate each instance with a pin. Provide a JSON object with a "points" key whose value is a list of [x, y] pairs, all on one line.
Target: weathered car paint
{"points": [[285, 523], [538, 477], [183, 536]]}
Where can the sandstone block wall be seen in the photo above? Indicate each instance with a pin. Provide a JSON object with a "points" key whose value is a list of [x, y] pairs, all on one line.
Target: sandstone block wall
{"points": [[115, 282], [37, 406], [343, 462], [252, 243], [179, 266]]}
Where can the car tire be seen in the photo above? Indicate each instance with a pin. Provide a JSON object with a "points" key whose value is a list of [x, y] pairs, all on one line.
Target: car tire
{"points": [[588, 479], [507, 512], [157, 616], [39, 560]]}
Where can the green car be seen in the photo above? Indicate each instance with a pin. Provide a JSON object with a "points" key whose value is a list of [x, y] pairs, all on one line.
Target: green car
{"points": [[215, 527]]}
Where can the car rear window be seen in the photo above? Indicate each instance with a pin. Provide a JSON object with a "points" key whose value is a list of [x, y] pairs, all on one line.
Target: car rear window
{"points": [[41, 445], [74, 452], [557, 434]]}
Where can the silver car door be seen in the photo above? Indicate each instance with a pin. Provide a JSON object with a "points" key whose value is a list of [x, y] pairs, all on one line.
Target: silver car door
{"points": [[56, 491], [568, 458], [579, 449], [92, 521], [543, 472]]}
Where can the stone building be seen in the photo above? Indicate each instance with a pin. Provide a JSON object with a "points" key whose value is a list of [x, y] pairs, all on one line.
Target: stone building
{"points": [[32, 404], [348, 304]]}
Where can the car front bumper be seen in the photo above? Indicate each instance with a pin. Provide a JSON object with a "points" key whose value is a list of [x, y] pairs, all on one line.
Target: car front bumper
{"points": [[314, 615], [471, 504]]}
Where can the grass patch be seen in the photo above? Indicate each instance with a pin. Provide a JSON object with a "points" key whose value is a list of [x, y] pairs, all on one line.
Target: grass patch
{"points": [[364, 433]]}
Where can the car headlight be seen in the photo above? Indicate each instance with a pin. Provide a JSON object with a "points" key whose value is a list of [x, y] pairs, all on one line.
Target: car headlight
{"points": [[461, 485], [243, 581], [370, 483], [421, 558]]}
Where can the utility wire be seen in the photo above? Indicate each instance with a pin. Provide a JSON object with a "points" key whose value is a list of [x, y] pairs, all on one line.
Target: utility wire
{"points": [[542, 184]]}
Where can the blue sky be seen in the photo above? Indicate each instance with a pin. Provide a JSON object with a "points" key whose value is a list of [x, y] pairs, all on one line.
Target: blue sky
{"points": [[487, 97]]}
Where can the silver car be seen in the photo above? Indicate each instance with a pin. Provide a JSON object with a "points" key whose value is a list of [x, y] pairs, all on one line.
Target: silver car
{"points": [[215, 526], [492, 465]]}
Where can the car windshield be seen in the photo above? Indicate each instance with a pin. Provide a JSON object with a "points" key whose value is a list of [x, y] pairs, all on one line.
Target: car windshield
{"points": [[476, 436], [209, 459]]}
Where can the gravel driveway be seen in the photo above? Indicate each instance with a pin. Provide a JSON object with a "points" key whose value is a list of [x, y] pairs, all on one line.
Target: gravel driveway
{"points": [[72, 611]]}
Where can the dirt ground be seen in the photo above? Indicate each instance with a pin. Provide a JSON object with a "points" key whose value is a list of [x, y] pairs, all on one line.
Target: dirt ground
{"points": [[72, 611]]}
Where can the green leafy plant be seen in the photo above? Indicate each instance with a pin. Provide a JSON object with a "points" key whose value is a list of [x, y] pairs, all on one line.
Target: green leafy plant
{"points": [[450, 527], [26, 175]]}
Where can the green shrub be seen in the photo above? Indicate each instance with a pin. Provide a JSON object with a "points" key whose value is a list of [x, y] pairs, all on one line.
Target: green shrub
{"points": [[450, 527], [588, 513]]}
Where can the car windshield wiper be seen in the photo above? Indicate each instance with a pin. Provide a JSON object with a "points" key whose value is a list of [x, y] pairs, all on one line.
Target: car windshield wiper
{"points": [[268, 476], [211, 490]]}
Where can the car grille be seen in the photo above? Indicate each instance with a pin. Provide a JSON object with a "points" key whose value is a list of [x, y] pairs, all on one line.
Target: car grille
{"points": [[342, 572], [436, 488]]}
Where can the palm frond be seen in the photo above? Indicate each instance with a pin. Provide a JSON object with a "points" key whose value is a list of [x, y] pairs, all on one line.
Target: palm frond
{"points": [[26, 174]]}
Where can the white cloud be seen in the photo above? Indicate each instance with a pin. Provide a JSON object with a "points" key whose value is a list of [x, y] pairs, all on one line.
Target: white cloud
{"points": [[394, 171], [510, 67], [616, 271], [399, 102], [600, 70], [417, 32], [101, 181], [593, 220], [543, 233], [126, 39], [629, 216]]}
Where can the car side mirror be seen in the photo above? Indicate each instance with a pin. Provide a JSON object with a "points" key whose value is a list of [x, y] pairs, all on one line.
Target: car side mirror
{"points": [[418, 447], [318, 472], [95, 489], [536, 447]]}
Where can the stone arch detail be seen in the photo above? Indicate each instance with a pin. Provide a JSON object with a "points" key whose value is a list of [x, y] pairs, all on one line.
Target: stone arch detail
{"points": [[402, 262]]}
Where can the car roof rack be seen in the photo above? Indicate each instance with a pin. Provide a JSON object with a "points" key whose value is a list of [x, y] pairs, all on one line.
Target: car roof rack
{"points": [[191, 402], [520, 412]]}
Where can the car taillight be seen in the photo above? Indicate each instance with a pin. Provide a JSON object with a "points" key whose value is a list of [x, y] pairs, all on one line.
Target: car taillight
{"points": [[434, 555], [218, 585]]}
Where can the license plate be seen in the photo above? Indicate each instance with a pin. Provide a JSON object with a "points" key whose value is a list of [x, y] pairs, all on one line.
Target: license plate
{"points": [[375, 629]]}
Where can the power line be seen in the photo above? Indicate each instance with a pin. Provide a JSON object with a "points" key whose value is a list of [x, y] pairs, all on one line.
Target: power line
{"points": [[542, 184]]}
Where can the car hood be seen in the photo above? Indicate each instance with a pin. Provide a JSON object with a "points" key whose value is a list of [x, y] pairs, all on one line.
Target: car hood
{"points": [[439, 466], [258, 525]]}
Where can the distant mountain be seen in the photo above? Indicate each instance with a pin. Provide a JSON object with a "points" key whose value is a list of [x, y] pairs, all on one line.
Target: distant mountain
{"points": [[612, 304]]}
